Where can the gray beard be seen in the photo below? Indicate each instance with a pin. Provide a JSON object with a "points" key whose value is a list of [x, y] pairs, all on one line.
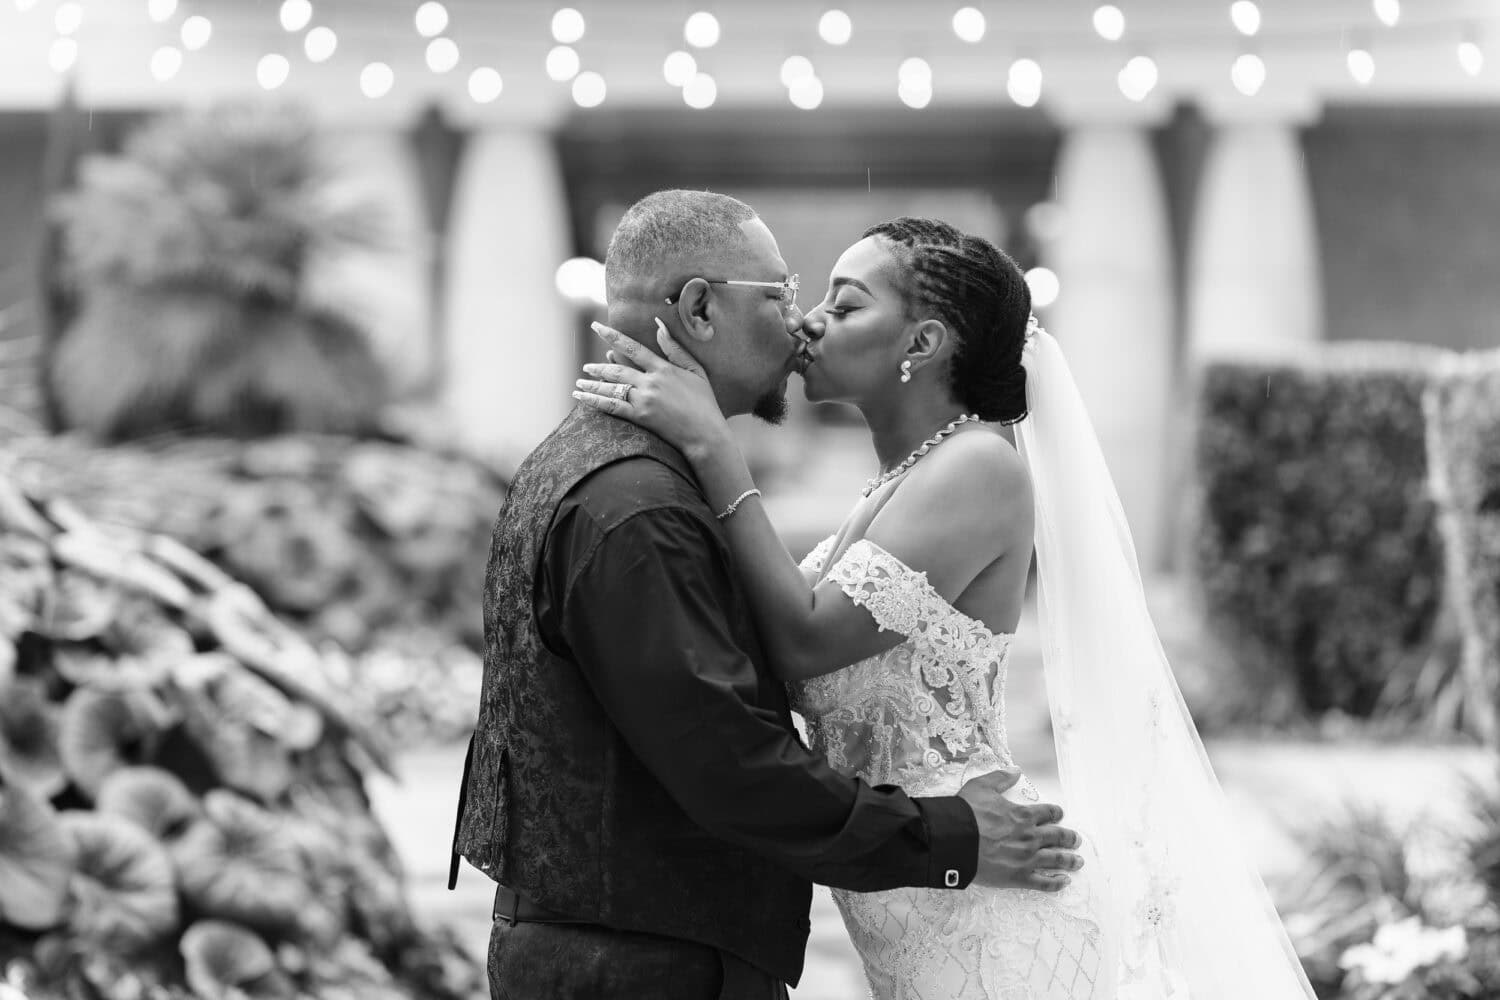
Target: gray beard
{"points": [[771, 407]]}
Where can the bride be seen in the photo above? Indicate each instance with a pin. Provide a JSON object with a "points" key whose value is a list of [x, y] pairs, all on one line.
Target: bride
{"points": [[894, 637]]}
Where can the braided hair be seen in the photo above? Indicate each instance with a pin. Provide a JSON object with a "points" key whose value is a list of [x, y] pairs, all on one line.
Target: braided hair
{"points": [[981, 295]]}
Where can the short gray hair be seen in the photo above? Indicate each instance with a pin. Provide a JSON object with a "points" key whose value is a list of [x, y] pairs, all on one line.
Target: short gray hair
{"points": [[669, 226]]}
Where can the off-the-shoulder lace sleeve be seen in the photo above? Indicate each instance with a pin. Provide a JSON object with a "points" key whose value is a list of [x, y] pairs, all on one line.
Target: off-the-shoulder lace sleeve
{"points": [[914, 713], [900, 599], [818, 557]]}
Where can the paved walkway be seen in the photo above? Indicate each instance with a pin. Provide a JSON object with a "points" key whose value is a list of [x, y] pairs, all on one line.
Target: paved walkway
{"points": [[1274, 788]]}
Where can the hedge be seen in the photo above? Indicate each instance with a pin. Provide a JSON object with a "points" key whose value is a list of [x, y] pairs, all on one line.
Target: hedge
{"points": [[1316, 545]]}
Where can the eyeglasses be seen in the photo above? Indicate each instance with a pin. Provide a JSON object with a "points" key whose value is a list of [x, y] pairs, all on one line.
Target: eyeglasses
{"points": [[788, 289]]}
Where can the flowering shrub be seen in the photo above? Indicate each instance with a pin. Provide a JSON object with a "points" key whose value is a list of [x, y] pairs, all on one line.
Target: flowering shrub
{"points": [[1401, 949], [1402, 913]]}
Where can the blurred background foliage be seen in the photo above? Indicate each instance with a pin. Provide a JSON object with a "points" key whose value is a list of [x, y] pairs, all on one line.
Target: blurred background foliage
{"points": [[182, 801], [184, 257], [1322, 569]]}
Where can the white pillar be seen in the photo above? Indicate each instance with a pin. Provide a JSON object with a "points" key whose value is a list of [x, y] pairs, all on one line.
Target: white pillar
{"points": [[387, 289], [1254, 284], [510, 340], [1114, 314]]}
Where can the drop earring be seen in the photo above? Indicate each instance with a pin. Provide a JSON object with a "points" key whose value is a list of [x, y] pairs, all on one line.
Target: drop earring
{"points": [[906, 371]]}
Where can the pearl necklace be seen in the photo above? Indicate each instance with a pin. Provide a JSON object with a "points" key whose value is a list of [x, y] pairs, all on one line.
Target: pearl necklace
{"points": [[923, 449]]}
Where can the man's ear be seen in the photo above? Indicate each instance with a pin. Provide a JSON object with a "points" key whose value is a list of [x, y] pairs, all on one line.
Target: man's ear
{"points": [[693, 308], [927, 341]]}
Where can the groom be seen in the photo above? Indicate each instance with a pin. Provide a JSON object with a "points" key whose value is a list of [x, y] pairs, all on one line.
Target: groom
{"points": [[634, 783]]}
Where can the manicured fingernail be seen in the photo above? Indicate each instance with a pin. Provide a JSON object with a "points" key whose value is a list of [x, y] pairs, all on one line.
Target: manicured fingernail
{"points": [[579, 383], [577, 394], [660, 326]]}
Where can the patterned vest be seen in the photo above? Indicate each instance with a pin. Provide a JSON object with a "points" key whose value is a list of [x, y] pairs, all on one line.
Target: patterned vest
{"points": [[554, 804]]}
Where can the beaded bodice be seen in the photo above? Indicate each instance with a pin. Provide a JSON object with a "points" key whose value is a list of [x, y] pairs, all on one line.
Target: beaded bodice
{"points": [[927, 714]]}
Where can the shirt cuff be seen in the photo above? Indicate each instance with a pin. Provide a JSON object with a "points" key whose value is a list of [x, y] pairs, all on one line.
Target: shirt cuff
{"points": [[953, 840]]}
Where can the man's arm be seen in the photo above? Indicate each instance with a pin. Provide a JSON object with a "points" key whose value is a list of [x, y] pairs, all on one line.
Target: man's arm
{"points": [[645, 615]]}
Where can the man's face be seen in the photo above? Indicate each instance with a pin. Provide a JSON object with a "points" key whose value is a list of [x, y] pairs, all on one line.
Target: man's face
{"points": [[758, 346]]}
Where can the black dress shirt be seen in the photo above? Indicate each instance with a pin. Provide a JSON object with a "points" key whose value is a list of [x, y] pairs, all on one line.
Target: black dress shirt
{"points": [[636, 586]]}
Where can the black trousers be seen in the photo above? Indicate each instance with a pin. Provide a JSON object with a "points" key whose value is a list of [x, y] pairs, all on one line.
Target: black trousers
{"points": [[537, 961]]}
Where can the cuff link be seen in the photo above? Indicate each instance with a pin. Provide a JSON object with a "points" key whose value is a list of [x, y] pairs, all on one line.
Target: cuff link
{"points": [[950, 878]]}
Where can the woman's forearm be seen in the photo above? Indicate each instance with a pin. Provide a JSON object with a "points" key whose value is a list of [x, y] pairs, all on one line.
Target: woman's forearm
{"points": [[781, 598]]}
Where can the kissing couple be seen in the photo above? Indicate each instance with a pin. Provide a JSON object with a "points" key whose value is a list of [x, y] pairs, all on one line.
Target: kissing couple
{"points": [[635, 784]]}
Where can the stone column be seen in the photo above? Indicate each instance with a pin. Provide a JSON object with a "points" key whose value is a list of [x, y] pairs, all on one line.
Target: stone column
{"points": [[386, 288], [510, 339], [1114, 314], [1253, 276]]}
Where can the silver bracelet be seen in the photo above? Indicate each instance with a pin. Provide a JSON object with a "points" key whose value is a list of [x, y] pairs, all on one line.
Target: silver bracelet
{"points": [[737, 501]]}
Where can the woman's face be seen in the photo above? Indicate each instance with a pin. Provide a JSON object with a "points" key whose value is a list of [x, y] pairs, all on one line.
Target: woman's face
{"points": [[857, 331]]}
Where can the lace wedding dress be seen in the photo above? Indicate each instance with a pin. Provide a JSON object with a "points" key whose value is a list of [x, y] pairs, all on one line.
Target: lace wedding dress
{"points": [[928, 715]]}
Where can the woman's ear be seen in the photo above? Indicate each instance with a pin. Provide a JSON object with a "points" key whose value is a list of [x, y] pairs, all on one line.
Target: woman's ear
{"points": [[692, 310], [927, 341]]}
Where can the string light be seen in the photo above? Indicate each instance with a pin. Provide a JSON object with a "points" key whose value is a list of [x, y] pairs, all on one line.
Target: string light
{"points": [[1470, 56], [968, 24], [563, 63], [1138, 78], [678, 68], [62, 55], [485, 85], [701, 30], [1024, 83], [1044, 286], [1246, 16], [796, 68], [272, 71], [806, 92], [196, 31], [1109, 22], [915, 72], [580, 280], [1361, 66], [296, 14], [915, 91], [1248, 74], [431, 19], [700, 92], [320, 44], [589, 89], [68, 19], [165, 62], [376, 80], [835, 28], [442, 55], [567, 26]]}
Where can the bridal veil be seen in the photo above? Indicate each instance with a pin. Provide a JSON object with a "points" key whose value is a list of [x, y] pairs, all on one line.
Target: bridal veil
{"points": [[1196, 922]]}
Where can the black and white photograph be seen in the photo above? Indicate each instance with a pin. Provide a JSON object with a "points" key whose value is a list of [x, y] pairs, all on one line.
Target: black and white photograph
{"points": [[749, 499]]}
